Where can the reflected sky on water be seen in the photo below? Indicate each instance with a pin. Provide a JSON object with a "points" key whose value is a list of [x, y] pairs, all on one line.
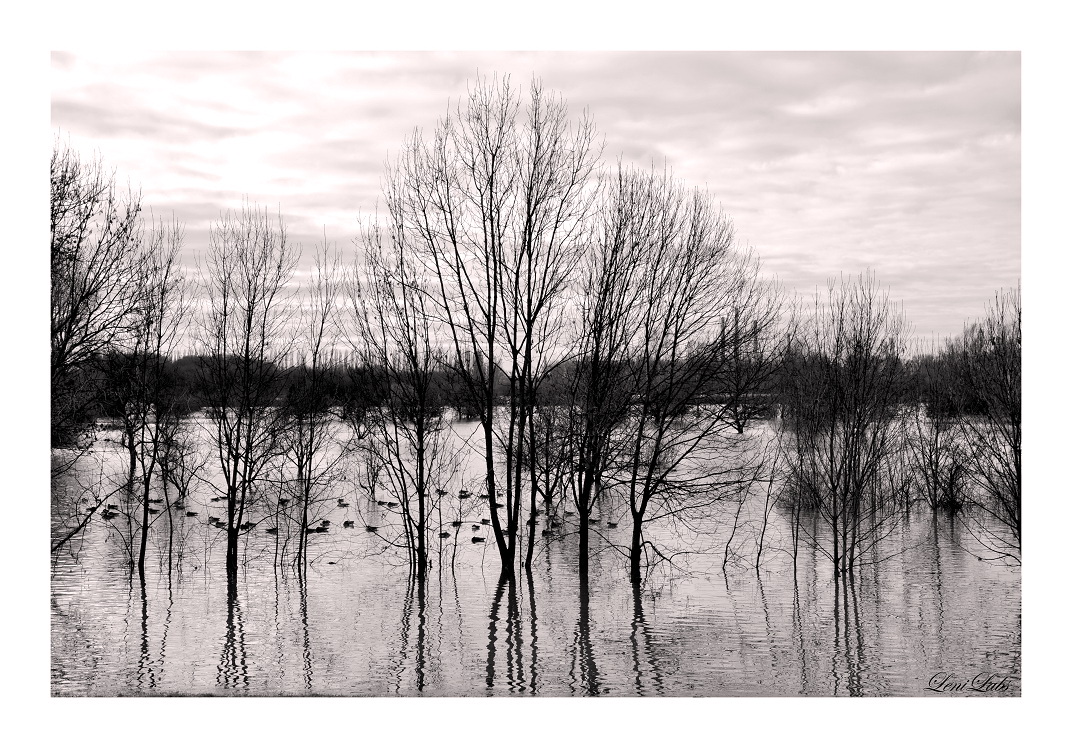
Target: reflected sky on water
{"points": [[357, 624]]}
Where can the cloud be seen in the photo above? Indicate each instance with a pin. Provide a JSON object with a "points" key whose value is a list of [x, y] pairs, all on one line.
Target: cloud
{"points": [[907, 163]]}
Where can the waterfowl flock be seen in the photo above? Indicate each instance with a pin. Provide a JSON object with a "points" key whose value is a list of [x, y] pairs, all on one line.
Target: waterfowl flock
{"points": [[555, 516]]}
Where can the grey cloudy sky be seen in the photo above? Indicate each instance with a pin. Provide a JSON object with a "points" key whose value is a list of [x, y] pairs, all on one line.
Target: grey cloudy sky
{"points": [[905, 163]]}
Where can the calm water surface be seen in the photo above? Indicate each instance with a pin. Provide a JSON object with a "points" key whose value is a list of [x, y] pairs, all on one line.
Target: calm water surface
{"points": [[357, 625]]}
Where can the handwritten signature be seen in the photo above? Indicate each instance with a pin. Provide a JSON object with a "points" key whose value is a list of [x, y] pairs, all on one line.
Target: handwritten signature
{"points": [[979, 683]]}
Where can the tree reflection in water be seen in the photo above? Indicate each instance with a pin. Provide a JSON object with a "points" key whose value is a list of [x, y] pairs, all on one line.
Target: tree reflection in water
{"points": [[640, 639], [582, 658], [356, 629], [232, 671], [515, 667]]}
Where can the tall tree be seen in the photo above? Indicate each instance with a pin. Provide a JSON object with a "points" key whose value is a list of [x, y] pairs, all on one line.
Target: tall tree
{"points": [[96, 235], [494, 207], [397, 334], [310, 430], [669, 274], [245, 333]]}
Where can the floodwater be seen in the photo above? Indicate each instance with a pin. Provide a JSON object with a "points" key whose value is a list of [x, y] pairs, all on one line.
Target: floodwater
{"points": [[924, 616]]}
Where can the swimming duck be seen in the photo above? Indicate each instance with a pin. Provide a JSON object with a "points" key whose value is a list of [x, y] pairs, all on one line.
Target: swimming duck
{"points": [[191, 514], [444, 534], [348, 523], [478, 539], [272, 530], [371, 528]]}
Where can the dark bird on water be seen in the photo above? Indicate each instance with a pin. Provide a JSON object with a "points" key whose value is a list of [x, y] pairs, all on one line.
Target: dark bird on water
{"points": [[191, 514], [348, 523], [484, 521], [370, 528], [478, 539], [612, 524], [476, 527], [272, 530], [444, 534], [457, 523]]}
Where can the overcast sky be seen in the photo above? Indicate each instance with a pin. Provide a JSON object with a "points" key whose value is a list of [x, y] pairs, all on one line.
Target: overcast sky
{"points": [[905, 163]]}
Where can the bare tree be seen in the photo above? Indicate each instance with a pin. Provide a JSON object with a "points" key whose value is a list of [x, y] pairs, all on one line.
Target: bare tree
{"points": [[494, 208], [160, 319], [397, 334], [988, 361], [665, 275], [96, 236], [244, 330], [311, 432], [845, 386]]}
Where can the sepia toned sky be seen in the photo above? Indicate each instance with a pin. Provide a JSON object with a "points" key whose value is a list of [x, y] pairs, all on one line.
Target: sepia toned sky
{"points": [[907, 164]]}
